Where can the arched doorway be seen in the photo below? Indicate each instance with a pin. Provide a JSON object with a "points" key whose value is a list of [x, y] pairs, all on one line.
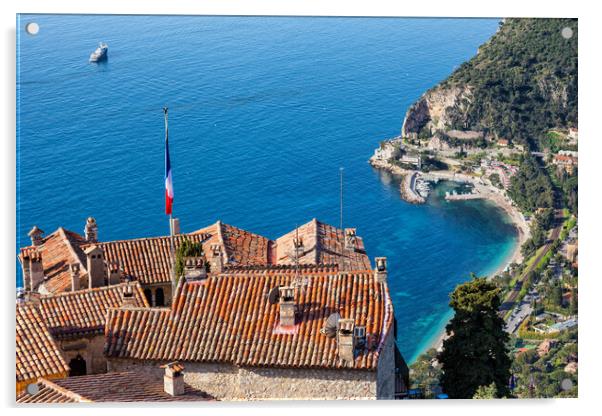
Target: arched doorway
{"points": [[77, 366], [159, 297], [149, 296]]}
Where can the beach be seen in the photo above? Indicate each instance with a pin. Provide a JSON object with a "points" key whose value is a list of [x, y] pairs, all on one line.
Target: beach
{"points": [[483, 189]]}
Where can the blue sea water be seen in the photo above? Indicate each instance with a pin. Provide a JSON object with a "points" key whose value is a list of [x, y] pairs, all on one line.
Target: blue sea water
{"points": [[263, 112]]}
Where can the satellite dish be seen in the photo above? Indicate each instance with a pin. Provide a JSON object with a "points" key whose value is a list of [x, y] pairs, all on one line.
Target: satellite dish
{"points": [[274, 295], [331, 325]]}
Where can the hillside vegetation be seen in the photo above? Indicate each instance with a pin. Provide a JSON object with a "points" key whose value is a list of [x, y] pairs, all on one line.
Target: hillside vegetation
{"points": [[522, 83]]}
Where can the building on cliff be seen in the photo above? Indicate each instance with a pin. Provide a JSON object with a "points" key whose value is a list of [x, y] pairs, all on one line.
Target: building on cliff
{"points": [[302, 316], [49, 263], [276, 332]]}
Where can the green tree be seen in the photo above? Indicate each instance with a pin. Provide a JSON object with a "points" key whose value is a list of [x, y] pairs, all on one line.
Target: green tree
{"points": [[187, 249], [424, 373], [476, 352], [486, 392]]}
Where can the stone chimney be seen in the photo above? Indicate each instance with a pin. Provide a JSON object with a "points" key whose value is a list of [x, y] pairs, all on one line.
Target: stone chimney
{"points": [[75, 278], [96, 266], [346, 339], [217, 260], [25, 268], [194, 269], [114, 273], [36, 270], [173, 380], [128, 300], [380, 272], [350, 238], [174, 226], [36, 235], [91, 230], [288, 308]]}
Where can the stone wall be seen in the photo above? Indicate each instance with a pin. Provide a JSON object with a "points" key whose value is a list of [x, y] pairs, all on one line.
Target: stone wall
{"points": [[385, 382], [90, 348], [229, 382]]}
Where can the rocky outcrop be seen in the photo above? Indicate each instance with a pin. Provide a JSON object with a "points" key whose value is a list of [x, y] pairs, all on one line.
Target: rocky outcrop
{"points": [[439, 109]]}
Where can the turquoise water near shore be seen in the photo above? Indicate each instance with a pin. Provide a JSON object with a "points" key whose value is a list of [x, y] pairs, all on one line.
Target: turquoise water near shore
{"points": [[263, 112]]}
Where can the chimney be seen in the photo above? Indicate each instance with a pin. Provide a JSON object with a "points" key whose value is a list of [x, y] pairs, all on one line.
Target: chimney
{"points": [[91, 230], [75, 279], [36, 236], [350, 238], [194, 269], [346, 339], [96, 266], [25, 267], [174, 226], [287, 305], [381, 269], [217, 261], [114, 273], [128, 300], [36, 270], [173, 380]]}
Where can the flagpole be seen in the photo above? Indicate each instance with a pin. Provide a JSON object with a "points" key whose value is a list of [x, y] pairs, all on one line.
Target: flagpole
{"points": [[171, 233]]}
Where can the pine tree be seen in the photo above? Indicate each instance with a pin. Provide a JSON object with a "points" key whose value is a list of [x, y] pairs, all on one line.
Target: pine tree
{"points": [[475, 353]]}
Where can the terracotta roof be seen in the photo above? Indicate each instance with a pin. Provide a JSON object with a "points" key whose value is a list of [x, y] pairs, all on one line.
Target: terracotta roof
{"points": [[84, 311], [324, 244], [37, 353], [58, 250], [228, 318], [243, 247], [109, 387], [566, 159], [148, 260]]}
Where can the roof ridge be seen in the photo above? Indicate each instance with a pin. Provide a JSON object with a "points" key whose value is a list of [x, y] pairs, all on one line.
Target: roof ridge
{"points": [[318, 243], [61, 232], [88, 290]]}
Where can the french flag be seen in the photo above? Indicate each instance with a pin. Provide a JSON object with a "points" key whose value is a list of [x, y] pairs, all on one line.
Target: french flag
{"points": [[168, 180]]}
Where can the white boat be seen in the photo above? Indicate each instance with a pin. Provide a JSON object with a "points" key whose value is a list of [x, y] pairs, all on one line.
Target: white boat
{"points": [[100, 54]]}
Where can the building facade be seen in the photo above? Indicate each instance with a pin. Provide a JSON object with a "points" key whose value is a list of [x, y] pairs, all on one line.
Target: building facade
{"points": [[233, 335]]}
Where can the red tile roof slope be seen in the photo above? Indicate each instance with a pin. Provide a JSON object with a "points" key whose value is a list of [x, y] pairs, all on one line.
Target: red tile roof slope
{"points": [[58, 250], [243, 247], [109, 387], [84, 311], [149, 259], [37, 353], [324, 244], [228, 318]]}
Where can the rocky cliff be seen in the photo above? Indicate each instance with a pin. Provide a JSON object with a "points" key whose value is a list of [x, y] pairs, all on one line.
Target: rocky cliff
{"points": [[437, 110], [522, 82]]}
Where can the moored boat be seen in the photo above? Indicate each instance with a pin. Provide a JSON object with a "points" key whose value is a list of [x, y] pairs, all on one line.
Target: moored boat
{"points": [[100, 53]]}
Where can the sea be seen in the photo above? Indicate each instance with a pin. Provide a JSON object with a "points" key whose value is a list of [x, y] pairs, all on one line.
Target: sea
{"points": [[263, 113]]}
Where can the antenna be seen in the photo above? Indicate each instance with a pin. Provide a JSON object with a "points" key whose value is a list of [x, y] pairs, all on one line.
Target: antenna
{"points": [[341, 197]]}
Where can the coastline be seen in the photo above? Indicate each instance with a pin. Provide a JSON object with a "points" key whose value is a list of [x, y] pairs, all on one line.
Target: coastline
{"points": [[485, 191]]}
